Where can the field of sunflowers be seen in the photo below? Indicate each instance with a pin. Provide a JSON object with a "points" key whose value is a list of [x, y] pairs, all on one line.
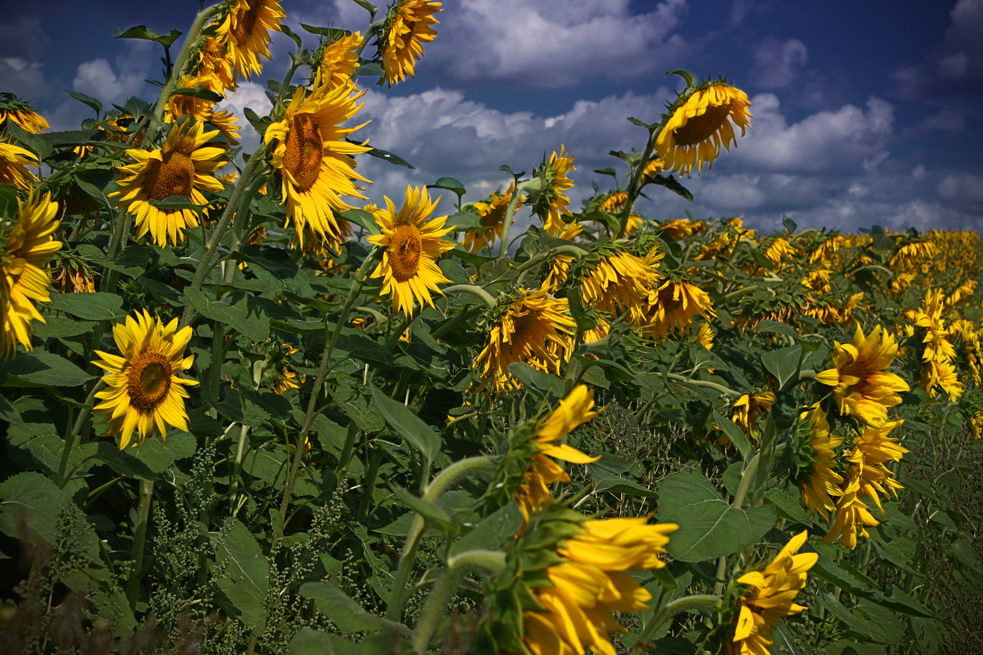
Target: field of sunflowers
{"points": [[247, 412]]}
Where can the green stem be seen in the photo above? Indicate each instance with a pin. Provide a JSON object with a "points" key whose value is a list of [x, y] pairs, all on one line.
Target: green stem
{"points": [[139, 541], [703, 383], [673, 608], [473, 290], [507, 220], [322, 372], [444, 479], [635, 185], [76, 428], [216, 237], [237, 468], [742, 488], [443, 590]]}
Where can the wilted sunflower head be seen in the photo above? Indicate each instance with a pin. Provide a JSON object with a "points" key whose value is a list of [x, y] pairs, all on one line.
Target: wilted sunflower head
{"points": [[14, 161], [699, 124], [550, 203], [16, 111], [338, 61], [409, 24]]}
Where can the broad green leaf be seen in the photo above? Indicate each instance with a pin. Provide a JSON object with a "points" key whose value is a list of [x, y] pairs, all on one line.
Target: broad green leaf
{"points": [[41, 368], [97, 306], [733, 432], [31, 504], [340, 609], [8, 201], [709, 527], [333, 33], [605, 480], [783, 363], [407, 424], [142, 32], [430, 511], [250, 324], [197, 92], [313, 642], [534, 379], [449, 183], [86, 100], [245, 578], [497, 528], [390, 157], [172, 203]]}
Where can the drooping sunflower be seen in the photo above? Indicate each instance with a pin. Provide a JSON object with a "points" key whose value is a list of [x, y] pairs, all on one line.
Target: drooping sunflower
{"points": [[179, 105], [560, 264], [288, 380], [183, 166], [681, 228], [614, 202], [771, 597], [620, 282], [315, 161], [144, 390], [861, 385], [14, 161], [551, 203], [819, 480], [27, 244], [700, 125], [573, 411], [338, 61], [853, 515], [672, 307], [778, 250], [492, 212], [704, 337], [535, 329], [21, 114], [749, 407], [409, 25], [214, 60], [871, 452], [245, 33], [412, 241]]}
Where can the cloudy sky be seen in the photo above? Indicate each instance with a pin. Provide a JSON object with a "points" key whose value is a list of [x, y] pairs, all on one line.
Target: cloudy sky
{"points": [[864, 113]]}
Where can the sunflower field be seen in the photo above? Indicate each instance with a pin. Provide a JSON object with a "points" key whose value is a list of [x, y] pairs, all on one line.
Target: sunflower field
{"points": [[246, 411]]}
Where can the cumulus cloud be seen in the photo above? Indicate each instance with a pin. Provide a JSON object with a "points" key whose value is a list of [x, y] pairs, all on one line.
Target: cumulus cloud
{"points": [[962, 190], [252, 95], [23, 78], [777, 63], [113, 84], [535, 44], [945, 120]]}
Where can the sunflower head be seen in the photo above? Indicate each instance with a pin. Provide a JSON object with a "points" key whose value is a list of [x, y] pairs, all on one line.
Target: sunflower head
{"points": [[412, 242], [244, 33], [24, 248], [183, 167], [14, 161], [550, 202], [338, 61], [699, 123], [492, 212], [615, 280], [144, 391], [672, 307], [16, 111], [409, 24]]}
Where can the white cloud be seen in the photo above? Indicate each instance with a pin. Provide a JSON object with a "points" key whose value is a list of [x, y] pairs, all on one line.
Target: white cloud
{"points": [[23, 78], [98, 79], [776, 63], [945, 120], [962, 189], [252, 95]]}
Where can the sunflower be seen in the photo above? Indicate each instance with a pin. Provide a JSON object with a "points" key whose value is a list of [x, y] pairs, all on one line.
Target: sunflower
{"points": [[681, 228], [551, 203], [14, 161], [672, 307], [288, 380], [316, 162], [699, 126], [202, 110], [534, 329], [26, 246], [560, 264], [771, 597], [339, 60], [705, 336], [778, 250], [213, 60], [614, 202], [408, 27], [871, 452], [144, 390], [182, 167], [620, 282], [748, 407], [653, 167], [820, 481], [852, 516], [409, 268], [861, 385], [21, 114], [245, 33], [492, 212], [591, 580], [573, 411]]}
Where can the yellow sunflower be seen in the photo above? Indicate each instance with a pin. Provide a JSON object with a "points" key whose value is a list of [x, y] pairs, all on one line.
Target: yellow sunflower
{"points": [[183, 166], [26, 246], [820, 482], [409, 268], [560, 264], [573, 411], [681, 228], [620, 282], [14, 161], [705, 336], [213, 60], [551, 203], [288, 380], [339, 60], [492, 213], [861, 385], [143, 388], [202, 110], [614, 202], [700, 124], [408, 27], [672, 307], [852, 515], [592, 580], [534, 329], [20, 113], [245, 33], [315, 161], [749, 407], [771, 597]]}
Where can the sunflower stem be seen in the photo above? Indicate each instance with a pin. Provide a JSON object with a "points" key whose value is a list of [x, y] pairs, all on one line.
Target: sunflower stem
{"points": [[187, 48], [443, 590], [635, 185], [473, 290], [703, 383], [322, 372], [671, 609], [216, 236], [139, 541], [443, 480], [73, 435], [509, 214]]}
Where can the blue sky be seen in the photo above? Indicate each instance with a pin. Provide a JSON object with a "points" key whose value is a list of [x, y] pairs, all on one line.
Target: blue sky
{"points": [[864, 113]]}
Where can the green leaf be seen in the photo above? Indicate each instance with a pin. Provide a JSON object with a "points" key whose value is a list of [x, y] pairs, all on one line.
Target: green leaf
{"points": [[709, 527], [449, 183], [96, 306], [253, 326], [32, 142], [789, 507], [672, 184], [41, 368], [783, 364], [734, 432], [31, 502], [534, 379], [141, 32], [607, 171], [172, 203], [362, 218], [368, 68], [8, 201], [367, 6], [197, 92], [390, 157], [86, 100], [605, 480], [313, 642], [497, 528], [333, 33], [409, 426], [340, 609], [245, 578]]}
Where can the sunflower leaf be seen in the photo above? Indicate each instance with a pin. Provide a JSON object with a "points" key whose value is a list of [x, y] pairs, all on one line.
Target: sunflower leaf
{"points": [[407, 424], [333, 33], [390, 157], [197, 92], [86, 100], [142, 32], [40, 368], [172, 203], [89, 306], [449, 183]]}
